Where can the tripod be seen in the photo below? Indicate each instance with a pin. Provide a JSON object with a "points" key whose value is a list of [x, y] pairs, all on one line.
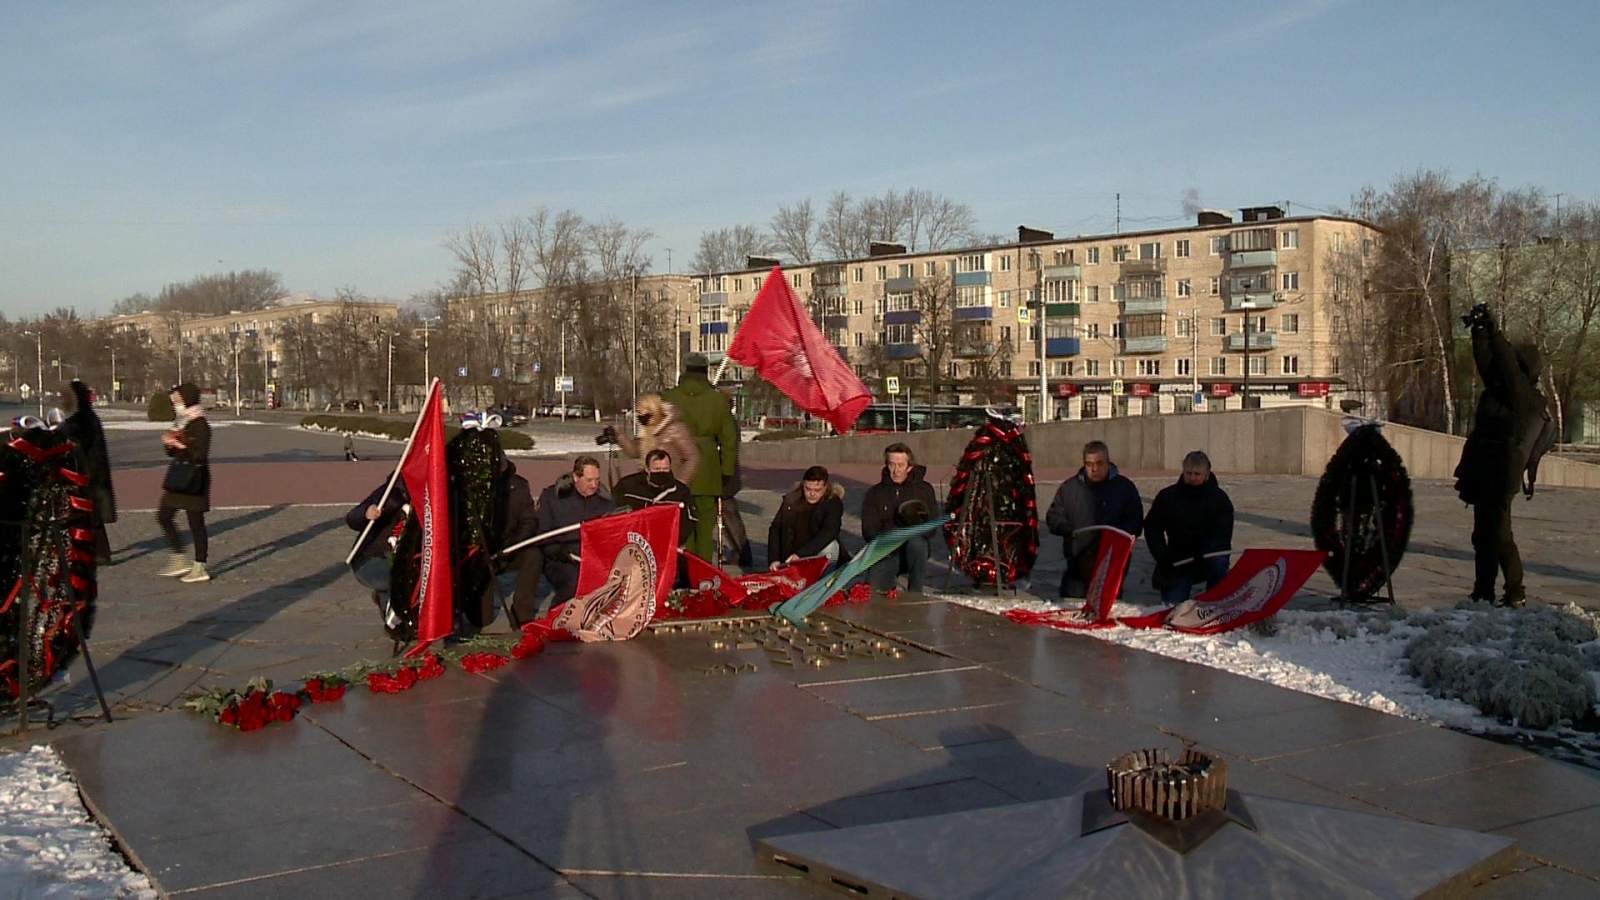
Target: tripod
{"points": [[1346, 596]]}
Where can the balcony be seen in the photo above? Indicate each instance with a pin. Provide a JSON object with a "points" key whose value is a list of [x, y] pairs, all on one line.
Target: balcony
{"points": [[970, 279], [1157, 266], [1063, 273], [1250, 300], [1252, 259], [1259, 340], [902, 351], [1061, 346], [835, 321], [904, 285], [714, 298], [966, 351], [1144, 306], [903, 316], [971, 313], [1063, 310], [828, 291], [713, 356], [1156, 344]]}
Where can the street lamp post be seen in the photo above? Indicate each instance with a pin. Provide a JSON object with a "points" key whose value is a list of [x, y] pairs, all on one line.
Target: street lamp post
{"points": [[1248, 306], [390, 389], [113, 371], [1044, 364], [38, 344]]}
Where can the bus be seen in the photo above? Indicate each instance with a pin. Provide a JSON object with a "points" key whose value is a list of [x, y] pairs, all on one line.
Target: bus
{"points": [[884, 417]]}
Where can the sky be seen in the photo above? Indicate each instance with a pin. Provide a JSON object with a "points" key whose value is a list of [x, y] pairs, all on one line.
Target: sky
{"points": [[143, 144]]}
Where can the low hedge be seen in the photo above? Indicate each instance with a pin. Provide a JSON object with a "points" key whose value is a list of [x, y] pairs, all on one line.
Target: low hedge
{"points": [[160, 407], [399, 431], [783, 434]]}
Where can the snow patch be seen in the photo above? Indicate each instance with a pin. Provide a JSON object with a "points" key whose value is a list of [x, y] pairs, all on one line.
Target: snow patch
{"points": [[49, 847]]}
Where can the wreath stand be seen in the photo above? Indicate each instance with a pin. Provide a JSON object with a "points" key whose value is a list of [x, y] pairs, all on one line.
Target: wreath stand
{"points": [[26, 704], [994, 543], [1345, 597]]}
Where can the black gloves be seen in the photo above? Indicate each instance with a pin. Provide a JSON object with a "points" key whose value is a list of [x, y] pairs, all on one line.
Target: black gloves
{"points": [[609, 436]]}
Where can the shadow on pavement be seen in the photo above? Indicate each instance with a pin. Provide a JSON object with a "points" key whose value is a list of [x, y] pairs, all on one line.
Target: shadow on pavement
{"points": [[214, 527]]}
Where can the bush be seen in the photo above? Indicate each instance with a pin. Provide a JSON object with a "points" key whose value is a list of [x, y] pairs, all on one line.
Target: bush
{"points": [[399, 431], [783, 434], [160, 408]]}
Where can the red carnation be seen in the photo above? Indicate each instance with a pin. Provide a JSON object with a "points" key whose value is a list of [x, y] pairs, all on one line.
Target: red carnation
{"points": [[228, 715], [432, 667], [531, 644], [282, 706], [483, 662]]}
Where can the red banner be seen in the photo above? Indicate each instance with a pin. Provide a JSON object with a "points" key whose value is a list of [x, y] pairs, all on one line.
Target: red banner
{"points": [[1222, 389], [427, 484], [757, 590], [1257, 586], [1140, 389], [783, 345], [1312, 388], [627, 566], [1110, 563]]}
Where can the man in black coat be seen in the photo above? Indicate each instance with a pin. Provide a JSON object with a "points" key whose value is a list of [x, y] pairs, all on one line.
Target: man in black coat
{"points": [[371, 562], [808, 521], [1503, 441], [575, 497], [1097, 495], [654, 484], [1187, 521], [903, 497]]}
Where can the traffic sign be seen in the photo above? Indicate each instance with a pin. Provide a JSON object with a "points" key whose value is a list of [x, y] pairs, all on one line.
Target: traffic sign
{"points": [[1199, 399], [893, 384], [461, 371], [1022, 314], [564, 383], [1116, 387], [494, 372], [535, 368]]}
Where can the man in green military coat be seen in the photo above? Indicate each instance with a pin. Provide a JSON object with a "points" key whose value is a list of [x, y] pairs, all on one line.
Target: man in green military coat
{"points": [[705, 410]]}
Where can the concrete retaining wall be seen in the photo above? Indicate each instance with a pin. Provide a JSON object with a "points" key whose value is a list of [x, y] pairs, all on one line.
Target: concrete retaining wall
{"points": [[1287, 441]]}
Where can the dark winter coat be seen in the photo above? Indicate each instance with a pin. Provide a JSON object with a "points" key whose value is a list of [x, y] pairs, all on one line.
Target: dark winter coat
{"points": [[376, 543], [514, 519], [1080, 504], [1187, 522], [561, 505], [641, 489], [196, 450], [705, 410], [881, 508], [1507, 422], [803, 529], [84, 428]]}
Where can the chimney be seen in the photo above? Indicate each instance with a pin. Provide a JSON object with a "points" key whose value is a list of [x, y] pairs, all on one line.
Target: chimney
{"points": [[761, 262], [1026, 235], [1214, 217], [885, 248], [1260, 213]]}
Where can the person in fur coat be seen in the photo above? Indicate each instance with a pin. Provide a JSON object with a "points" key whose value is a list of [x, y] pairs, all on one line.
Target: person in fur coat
{"points": [[660, 428]]}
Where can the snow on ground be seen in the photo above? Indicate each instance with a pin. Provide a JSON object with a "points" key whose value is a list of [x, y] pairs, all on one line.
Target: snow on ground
{"points": [[49, 847], [129, 425], [1352, 656]]}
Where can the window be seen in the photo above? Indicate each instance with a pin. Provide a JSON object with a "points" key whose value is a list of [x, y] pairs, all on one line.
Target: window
{"points": [[972, 295], [1005, 263], [1291, 281], [1184, 367], [1218, 245], [1258, 365], [902, 302], [1185, 289], [1185, 326], [1091, 367], [797, 277], [1094, 330], [1335, 323], [1333, 365], [1094, 293], [1116, 330], [1180, 249], [1219, 327], [1257, 324], [1338, 284], [860, 274], [1149, 367], [1064, 257], [1033, 368], [859, 338], [1119, 253], [1005, 369], [859, 307], [1064, 369], [1219, 365], [930, 268], [1091, 408], [1091, 255], [883, 273], [1005, 299], [1290, 323], [1005, 334], [738, 284], [950, 370], [1118, 367], [1033, 334], [1151, 250], [1290, 239], [1251, 239], [1291, 365], [972, 262], [756, 281], [905, 270], [1216, 285], [1338, 241], [899, 334]]}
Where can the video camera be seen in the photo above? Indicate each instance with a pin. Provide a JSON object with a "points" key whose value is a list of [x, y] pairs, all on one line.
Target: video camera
{"points": [[1478, 315]]}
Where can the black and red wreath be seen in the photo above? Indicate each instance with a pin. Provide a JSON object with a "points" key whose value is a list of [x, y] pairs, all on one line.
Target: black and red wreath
{"points": [[992, 497], [1363, 490], [47, 561]]}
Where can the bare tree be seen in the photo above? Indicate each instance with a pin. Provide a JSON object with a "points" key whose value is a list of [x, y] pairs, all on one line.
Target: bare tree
{"points": [[794, 231], [841, 231], [728, 248], [475, 249], [938, 222]]}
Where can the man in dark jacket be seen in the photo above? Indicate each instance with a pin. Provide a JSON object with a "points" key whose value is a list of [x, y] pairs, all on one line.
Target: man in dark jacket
{"points": [[703, 408], [515, 519], [371, 562], [1097, 495], [83, 427], [1505, 429], [808, 521], [1187, 521], [655, 484], [903, 497], [574, 498]]}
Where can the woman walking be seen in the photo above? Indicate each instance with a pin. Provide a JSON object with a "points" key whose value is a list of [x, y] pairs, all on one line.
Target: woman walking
{"points": [[187, 485]]}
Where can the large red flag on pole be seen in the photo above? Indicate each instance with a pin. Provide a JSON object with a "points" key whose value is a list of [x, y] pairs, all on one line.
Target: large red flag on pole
{"points": [[422, 467], [783, 345]]}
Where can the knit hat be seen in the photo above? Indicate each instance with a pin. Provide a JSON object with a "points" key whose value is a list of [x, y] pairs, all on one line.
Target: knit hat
{"points": [[188, 393]]}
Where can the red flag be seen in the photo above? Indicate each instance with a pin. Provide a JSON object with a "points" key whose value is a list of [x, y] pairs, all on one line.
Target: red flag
{"points": [[627, 566], [704, 576], [422, 467], [1110, 564], [767, 588], [783, 345], [1258, 585]]}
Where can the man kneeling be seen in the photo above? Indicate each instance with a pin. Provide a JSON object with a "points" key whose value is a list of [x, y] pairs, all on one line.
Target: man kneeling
{"points": [[808, 521]]}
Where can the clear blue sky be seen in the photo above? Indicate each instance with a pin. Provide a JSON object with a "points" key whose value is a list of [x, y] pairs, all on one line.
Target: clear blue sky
{"points": [[338, 143]]}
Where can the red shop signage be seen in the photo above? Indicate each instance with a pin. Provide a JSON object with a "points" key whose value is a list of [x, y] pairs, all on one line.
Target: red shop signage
{"points": [[1140, 390], [1313, 388], [1066, 389], [1222, 389]]}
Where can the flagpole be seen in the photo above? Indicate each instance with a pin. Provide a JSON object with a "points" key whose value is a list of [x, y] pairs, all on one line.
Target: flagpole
{"points": [[540, 537], [387, 488]]}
